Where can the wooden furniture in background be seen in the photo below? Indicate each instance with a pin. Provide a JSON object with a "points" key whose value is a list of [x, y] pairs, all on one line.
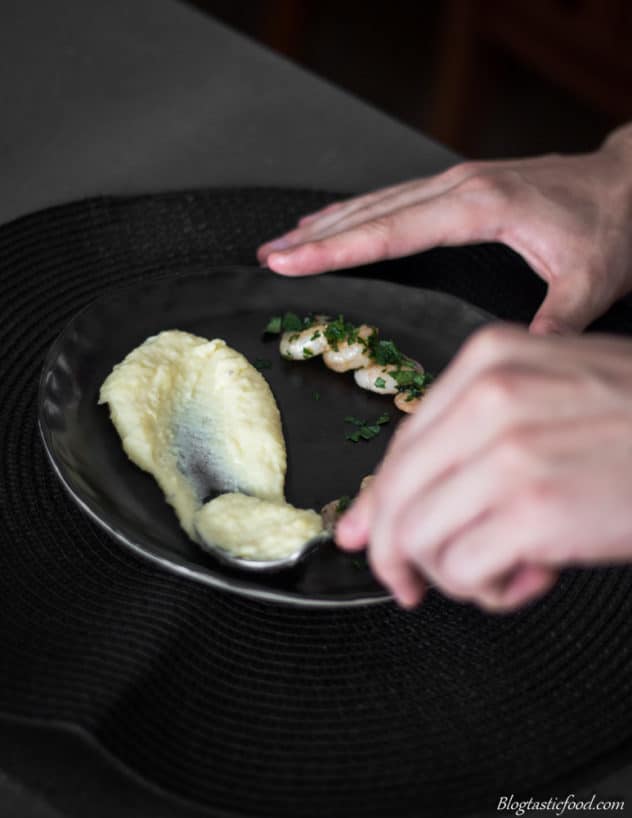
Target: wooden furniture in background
{"points": [[582, 46]]}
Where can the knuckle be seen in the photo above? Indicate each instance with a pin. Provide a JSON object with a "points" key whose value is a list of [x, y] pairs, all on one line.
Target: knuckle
{"points": [[452, 580], [494, 392], [380, 230], [488, 184], [461, 171], [453, 577], [514, 450], [535, 502], [488, 343]]}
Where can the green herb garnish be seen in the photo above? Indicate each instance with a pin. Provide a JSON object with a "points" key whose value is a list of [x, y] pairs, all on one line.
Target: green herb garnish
{"points": [[339, 331], [385, 352], [343, 504], [354, 420], [291, 322], [307, 353], [380, 383], [364, 430], [273, 327], [411, 380], [315, 335], [262, 363]]}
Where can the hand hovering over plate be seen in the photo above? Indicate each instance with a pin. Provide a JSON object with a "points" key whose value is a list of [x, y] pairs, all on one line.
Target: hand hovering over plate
{"points": [[518, 462], [568, 216]]}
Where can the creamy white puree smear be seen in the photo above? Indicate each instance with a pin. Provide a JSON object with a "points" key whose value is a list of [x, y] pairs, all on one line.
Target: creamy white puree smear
{"points": [[186, 407], [249, 527]]}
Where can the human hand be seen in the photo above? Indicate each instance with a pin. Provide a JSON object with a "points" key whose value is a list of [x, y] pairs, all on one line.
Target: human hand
{"points": [[568, 216], [518, 462]]}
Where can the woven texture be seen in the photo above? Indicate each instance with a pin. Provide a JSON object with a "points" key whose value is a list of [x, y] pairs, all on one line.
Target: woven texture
{"points": [[266, 710]]}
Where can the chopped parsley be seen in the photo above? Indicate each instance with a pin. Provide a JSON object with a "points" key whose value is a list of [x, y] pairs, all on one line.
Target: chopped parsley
{"points": [[354, 420], [315, 335], [409, 380], [385, 352], [290, 322], [339, 331], [365, 430], [380, 383], [343, 504], [307, 353], [261, 363], [273, 327]]}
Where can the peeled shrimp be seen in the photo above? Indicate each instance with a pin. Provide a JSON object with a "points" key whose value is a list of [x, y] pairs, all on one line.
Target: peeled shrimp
{"points": [[350, 356], [303, 345], [405, 403], [367, 377], [378, 378]]}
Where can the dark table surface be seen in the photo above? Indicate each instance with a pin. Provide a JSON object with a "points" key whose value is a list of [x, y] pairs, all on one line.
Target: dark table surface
{"points": [[129, 97]]}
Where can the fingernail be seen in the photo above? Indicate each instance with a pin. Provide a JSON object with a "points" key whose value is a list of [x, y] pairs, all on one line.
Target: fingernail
{"points": [[278, 244]]}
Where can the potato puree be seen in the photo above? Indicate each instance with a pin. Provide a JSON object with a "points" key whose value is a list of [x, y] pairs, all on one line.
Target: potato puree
{"points": [[249, 527], [194, 413]]}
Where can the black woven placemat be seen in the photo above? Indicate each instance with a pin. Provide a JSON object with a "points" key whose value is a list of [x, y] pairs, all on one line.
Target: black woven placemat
{"points": [[266, 710]]}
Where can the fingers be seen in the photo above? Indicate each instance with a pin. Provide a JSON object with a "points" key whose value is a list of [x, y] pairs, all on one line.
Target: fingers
{"points": [[343, 219], [448, 219], [343, 215], [467, 205], [315, 222], [341, 209], [522, 586], [494, 345], [336, 211], [352, 531], [400, 577]]}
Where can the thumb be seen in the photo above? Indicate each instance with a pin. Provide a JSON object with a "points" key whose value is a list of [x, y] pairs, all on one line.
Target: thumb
{"points": [[352, 531], [568, 308]]}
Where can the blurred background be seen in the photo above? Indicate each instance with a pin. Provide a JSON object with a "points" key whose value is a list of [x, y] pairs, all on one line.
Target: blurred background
{"points": [[489, 78]]}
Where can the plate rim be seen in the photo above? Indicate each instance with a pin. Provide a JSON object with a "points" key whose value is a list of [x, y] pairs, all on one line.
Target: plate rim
{"points": [[184, 568]]}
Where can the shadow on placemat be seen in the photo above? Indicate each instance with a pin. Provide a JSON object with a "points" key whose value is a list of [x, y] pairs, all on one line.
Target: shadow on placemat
{"points": [[265, 710]]}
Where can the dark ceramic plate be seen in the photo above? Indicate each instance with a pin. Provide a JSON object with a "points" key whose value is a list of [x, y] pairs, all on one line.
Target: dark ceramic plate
{"points": [[235, 304]]}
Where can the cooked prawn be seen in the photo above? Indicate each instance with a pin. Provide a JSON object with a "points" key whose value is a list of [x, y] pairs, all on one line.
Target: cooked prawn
{"points": [[353, 355], [407, 402], [303, 345], [380, 377]]}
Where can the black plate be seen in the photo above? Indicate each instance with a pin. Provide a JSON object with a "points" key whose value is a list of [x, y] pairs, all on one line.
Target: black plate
{"points": [[235, 304]]}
